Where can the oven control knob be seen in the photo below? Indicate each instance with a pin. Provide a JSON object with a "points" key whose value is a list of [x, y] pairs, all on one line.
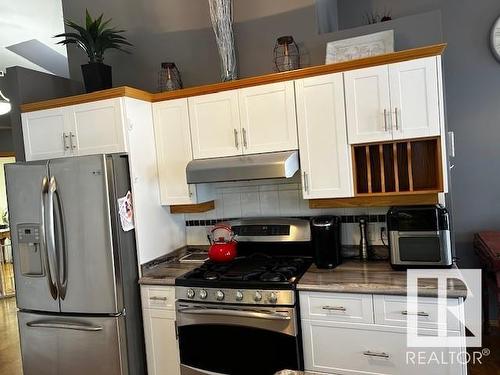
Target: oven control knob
{"points": [[203, 294], [273, 298], [219, 295], [257, 297], [190, 293], [239, 295]]}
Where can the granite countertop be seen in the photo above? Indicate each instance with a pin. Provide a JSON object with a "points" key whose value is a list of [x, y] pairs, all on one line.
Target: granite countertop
{"points": [[296, 372], [165, 270], [375, 277]]}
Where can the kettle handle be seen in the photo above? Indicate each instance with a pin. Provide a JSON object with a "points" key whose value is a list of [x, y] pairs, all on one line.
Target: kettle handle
{"points": [[221, 226]]}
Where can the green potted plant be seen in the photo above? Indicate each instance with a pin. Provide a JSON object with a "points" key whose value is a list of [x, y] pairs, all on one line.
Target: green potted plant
{"points": [[94, 39]]}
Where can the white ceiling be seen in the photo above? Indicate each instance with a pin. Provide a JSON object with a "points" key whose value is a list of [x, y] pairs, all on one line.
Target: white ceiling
{"points": [[26, 20]]}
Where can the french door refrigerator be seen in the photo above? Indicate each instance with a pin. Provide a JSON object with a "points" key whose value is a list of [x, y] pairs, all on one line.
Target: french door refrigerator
{"points": [[75, 267]]}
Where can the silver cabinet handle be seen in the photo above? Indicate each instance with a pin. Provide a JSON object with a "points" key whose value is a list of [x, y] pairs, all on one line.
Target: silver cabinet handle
{"points": [[155, 298], [71, 137], [236, 143], [334, 308], [385, 119], [396, 116], [239, 313], [65, 141], [48, 259], [244, 137], [65, 325], [420, 313], [306, 182], [369, 353]]}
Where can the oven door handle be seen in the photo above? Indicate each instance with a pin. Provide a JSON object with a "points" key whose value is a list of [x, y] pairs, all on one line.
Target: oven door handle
{"points": [[238, 313]]}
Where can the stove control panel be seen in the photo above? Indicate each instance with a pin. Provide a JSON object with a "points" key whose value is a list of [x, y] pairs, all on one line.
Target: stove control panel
{"points": [[236, 296]]}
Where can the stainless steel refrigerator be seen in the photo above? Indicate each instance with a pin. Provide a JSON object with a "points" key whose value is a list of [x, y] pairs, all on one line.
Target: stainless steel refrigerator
{"points": [[75, 267]]}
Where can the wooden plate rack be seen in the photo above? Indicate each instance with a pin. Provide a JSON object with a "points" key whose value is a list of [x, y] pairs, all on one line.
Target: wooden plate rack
{"points": [[398, 167]]}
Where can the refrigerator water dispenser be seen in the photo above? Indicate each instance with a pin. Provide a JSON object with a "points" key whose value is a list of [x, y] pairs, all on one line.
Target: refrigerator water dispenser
{"points": [[28, 238]]}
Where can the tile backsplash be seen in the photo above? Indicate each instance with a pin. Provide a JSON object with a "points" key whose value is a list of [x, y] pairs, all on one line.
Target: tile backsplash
{"points": [[277, 198]]}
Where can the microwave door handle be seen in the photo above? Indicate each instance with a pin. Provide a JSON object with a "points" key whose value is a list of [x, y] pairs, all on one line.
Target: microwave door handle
{"points": [[238, 313], [419, 234], [47, 254]]}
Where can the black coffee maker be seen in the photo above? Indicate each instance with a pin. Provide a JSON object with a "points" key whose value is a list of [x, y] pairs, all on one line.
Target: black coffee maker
{"points": [[326, 241]]}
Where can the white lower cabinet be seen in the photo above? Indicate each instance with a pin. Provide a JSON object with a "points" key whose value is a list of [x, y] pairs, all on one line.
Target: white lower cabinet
{"points": [[335, 343], [158, 314]]}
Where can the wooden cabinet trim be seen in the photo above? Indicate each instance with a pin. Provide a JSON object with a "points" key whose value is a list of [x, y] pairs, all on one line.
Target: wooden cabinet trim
{"points": [[371, 200], [400, 56], [192, 208]]}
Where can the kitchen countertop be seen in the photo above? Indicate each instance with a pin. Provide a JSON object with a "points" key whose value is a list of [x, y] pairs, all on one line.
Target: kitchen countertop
{"points": [[165, 271], [375, 277]]}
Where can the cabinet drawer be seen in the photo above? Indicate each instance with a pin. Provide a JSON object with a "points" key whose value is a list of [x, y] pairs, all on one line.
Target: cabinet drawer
{"points": [[337, 349], [158, 297], [393, 311], [340, 307]]}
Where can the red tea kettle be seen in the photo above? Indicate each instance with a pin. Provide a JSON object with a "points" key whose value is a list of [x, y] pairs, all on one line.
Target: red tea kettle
{"points": [[222, 248]]}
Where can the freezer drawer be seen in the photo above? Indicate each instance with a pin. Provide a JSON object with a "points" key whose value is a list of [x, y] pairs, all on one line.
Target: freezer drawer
{"points": [[61, 345]]}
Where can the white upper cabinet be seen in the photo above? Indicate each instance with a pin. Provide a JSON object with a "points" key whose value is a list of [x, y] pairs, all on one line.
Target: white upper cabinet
{"points": [[215, 125], [268, 119], [325, 157], [83, 129], [395, 101], [46, 133], [173, 150], [98, 127], [415, 98], [368, 104]]}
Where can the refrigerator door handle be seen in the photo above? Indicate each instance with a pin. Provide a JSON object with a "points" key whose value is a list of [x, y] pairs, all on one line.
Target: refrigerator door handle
{"points": [[64, 325], [62, 275], [48, 260]]}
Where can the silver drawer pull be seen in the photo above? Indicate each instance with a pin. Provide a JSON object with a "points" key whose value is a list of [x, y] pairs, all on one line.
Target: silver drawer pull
{"points": [[420, 313], [369, 353], [334, 308], [154, 298]]}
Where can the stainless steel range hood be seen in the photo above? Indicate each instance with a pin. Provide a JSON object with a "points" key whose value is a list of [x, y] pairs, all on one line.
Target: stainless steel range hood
{"points": [[246, 167]]}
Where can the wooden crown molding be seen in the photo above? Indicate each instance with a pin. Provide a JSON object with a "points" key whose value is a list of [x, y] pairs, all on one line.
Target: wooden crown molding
{"points": [[388, 58]]}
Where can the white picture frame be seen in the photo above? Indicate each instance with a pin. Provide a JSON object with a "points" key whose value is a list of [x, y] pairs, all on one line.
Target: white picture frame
{"points": [[360, 47]]}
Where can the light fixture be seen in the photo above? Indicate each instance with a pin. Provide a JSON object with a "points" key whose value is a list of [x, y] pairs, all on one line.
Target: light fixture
{"points": [[5, 105]]}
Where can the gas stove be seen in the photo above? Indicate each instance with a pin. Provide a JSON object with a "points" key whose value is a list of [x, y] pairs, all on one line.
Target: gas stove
{"points": [[274, 254]]}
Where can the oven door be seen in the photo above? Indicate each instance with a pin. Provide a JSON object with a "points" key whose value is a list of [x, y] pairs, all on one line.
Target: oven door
{"points": [[235, 339]]}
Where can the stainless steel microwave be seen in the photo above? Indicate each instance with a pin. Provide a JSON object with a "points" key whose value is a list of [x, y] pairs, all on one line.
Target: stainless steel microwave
{"points": [[419, 236]]}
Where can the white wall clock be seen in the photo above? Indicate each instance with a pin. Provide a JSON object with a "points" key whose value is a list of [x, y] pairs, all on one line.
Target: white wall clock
{"points": [[495, 39]]}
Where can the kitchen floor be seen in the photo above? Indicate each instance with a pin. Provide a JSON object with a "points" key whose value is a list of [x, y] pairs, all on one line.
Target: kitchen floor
{"points": [[10, 355]]}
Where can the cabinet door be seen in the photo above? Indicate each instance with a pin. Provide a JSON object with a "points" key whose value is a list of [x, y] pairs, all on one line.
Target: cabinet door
{"points": [[162, 349], [173, 148], [45, 133], [368, 104], [98, 127], [215, 125], [268, 120], [332, 348], [414, 98], [324, 152]]}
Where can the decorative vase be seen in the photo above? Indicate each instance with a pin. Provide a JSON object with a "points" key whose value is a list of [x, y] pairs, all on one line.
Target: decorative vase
{"points": [[221, 15], [96, 76], [169, 77], [286, 54]]}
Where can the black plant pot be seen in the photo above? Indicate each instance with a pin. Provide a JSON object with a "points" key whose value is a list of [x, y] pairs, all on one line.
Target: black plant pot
{"points": [[96, 76]]}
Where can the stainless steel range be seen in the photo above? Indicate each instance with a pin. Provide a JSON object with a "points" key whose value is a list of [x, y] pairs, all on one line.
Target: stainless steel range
{"points": [[241, 317]]}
